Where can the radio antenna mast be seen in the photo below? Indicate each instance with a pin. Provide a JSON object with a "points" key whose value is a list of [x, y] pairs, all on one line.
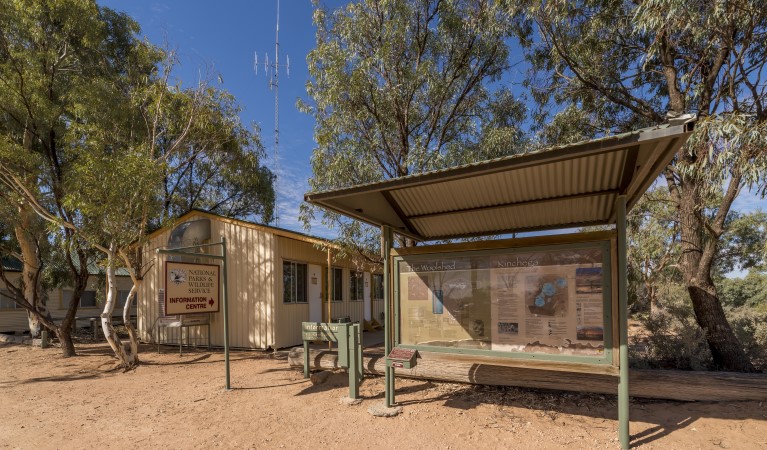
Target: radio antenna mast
{"points": [[271, 71]]}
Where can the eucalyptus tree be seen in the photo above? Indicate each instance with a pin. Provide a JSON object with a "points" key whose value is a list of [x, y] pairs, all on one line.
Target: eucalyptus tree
{"points": [[57, 58], [122, 178], [24, 237], [621, 65], [220, 168], [401, 87], [93, 128]]}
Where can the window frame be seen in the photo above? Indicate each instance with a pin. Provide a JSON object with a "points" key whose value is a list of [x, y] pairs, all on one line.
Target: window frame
{"points": [[65, 302], [339, 280], [296, 285], [5, 296], [356, 282], [373, 277]]}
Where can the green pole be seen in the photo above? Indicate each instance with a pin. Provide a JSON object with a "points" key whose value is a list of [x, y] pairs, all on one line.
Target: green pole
{"points": [[44, 339], [226, 314], [623, 385], [387, 244], [182, 252]]}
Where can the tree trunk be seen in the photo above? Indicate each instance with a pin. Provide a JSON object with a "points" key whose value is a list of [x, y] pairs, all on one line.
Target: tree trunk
{"points": [[133, 336], [80, 276], [64, 332], [726, 350], [127, 359], [661, 384], [32, 266]]}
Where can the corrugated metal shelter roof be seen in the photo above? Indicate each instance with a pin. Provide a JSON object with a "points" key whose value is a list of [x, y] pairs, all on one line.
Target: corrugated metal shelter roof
{"points": [[560, 187]]}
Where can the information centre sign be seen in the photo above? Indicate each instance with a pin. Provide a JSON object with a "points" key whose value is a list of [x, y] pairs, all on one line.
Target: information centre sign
{"points": [[544, 302], [191, 288]]}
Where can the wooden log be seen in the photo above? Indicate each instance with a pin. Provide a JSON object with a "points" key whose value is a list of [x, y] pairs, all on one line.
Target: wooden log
{"points": [[657, 384]]}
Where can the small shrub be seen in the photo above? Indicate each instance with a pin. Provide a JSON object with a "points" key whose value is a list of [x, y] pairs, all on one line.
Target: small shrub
{"points": [[674, 340], [750, 326]]}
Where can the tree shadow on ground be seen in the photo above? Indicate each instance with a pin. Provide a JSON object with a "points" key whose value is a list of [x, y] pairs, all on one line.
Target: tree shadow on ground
{"points": [[57, 378], [667, 416]]}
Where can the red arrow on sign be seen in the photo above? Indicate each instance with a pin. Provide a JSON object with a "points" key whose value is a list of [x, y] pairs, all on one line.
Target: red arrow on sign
{"points": [[211, 302]]}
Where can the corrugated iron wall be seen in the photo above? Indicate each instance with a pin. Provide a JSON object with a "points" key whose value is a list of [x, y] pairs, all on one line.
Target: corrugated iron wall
{"points": [[258, 317]]}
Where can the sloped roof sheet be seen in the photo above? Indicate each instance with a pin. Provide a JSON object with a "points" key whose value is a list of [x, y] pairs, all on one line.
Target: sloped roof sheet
{"points": [[559, 187]]}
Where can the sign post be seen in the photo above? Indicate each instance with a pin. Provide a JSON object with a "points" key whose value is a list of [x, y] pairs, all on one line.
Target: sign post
{"points": [[193, 288], [349, 339]]}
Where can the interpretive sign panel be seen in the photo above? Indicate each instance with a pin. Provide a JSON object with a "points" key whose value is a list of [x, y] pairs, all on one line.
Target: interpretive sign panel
{"points": [[551, 299], [191, 288], [317, 331]]}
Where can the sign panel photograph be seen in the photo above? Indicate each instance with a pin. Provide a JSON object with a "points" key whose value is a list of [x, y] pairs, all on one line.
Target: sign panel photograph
{"points": [[191, 288], [547, 300]]}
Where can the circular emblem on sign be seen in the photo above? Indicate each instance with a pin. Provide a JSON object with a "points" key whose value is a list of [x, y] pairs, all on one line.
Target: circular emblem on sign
{"points": [[178, 276]]}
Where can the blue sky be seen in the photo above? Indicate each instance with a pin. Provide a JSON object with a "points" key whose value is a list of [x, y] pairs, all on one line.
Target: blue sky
{"points": [[224, 37]]}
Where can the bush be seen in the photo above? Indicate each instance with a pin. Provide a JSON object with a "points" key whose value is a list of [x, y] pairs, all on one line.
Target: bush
{"points": [[673, 339], [750, 326]]}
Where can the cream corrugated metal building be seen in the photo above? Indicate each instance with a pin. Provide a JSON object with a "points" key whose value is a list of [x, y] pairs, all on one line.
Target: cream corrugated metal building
{"points": [[13, 319], [276, 280]]}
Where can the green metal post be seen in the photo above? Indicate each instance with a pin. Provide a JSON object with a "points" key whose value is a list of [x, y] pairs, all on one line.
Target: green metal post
{"points": [[387, 244], [306, 359], [226, 314], [354, 387], [44, 339], [358, 330], [623, 385], [182, 251]]}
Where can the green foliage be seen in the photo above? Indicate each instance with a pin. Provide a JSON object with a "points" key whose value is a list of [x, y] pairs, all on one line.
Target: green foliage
{"points": [[98, 140], [401, 87], [219, 168], [750, 326], [610, 66], [750, 291], [653, 250]]}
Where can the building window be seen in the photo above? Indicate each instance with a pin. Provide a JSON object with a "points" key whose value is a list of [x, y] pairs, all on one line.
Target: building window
{"points": [[122, 297], [87, 299], [6, 301], [377, 289], [293, 282], [338, 279], [356, 286]]}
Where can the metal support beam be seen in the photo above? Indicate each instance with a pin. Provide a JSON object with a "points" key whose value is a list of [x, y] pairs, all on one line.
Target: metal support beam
{"points": [[386, 243], [329, 292], [623, 384]]}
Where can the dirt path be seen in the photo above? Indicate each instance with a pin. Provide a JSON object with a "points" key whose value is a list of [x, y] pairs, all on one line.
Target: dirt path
{"points": [[174, 401]]}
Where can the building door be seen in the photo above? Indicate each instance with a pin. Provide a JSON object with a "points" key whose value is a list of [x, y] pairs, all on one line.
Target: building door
{"points": [[314, 292]]}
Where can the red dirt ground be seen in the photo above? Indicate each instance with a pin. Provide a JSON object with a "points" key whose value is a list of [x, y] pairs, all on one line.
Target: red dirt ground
{"points": [[173, 401]]}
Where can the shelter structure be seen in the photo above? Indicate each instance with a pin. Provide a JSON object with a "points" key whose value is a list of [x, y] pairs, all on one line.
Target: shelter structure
{"points": [[276, 279], [548, 302]]}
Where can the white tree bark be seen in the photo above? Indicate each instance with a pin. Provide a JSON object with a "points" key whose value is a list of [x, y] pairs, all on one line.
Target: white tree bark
{"points": [[127, 359], [129, 302]]}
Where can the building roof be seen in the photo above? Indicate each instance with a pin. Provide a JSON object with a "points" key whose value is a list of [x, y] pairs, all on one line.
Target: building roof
{"points": [[244, 223], [560, 187], [12, 264]]}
